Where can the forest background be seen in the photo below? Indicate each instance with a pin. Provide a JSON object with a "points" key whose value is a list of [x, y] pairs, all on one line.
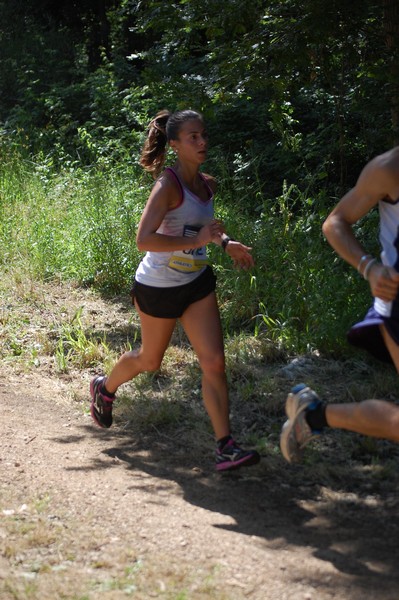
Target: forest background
{"points": [[298, 95]]}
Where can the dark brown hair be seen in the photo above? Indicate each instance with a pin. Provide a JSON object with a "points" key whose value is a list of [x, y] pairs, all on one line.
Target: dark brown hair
{"points": [[163, 128]]}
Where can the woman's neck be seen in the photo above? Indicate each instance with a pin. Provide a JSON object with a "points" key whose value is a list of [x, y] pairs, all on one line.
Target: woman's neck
{"points": [[190, 178], [188, 174]]}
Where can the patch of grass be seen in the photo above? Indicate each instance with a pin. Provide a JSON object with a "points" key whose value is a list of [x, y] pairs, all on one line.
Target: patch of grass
{"points": [[78, 224], [40, 555], [75, 348], [75, 225], [29, 528], [149, 413]]}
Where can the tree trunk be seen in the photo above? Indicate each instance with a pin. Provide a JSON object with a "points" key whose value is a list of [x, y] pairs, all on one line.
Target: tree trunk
{"points": [[391, 31], [99, 31]]}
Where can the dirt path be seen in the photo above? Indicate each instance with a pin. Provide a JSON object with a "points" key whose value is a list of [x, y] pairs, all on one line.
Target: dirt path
{"points": [[89, 514]]}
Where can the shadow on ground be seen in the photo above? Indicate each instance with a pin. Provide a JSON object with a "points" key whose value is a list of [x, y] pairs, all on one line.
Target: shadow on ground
{"points": [[346, 518]]}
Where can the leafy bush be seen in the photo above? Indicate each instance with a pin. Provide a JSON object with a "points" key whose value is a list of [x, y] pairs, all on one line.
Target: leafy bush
{"points": [[80, 224], [300, 294]]}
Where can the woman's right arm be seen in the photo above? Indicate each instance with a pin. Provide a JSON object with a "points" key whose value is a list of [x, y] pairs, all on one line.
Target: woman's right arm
{"points": [[164, 196]]}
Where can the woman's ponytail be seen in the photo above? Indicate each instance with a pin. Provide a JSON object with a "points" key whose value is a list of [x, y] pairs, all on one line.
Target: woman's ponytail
{"points": [[154, 149]]}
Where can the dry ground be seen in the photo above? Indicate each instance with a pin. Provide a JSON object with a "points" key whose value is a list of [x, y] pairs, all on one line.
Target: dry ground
{"points": [[138, 511]]}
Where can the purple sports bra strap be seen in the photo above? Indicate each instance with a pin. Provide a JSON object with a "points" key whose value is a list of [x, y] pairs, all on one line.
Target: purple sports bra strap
{"points": [[208, 187], [176, 178], [175, 175]]}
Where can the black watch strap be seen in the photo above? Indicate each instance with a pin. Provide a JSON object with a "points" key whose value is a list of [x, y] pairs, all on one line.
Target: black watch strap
{"points": [[225, 241]]}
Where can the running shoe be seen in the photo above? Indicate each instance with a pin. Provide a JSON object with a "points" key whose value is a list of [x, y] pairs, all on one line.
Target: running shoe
{"points": [[101, 404], [296, 433], [231, 456]]}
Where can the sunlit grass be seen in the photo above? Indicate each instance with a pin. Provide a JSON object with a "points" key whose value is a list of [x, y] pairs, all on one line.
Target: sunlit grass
{"points": [[80, 224], [75, 348]]}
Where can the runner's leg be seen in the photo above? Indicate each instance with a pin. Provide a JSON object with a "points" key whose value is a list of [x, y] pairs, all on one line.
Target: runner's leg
{"points": [[376, 418], [201, 322], [155, 338]]}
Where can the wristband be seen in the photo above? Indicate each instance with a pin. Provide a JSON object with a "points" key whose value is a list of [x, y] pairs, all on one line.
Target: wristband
{"points": [[225, 241], [361, 261], [368, 267]]}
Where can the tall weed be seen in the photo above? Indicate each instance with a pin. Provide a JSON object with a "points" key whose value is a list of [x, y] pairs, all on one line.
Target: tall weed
{"points": [[75, 348], [80, 224], [74, 224], [300, 295]]}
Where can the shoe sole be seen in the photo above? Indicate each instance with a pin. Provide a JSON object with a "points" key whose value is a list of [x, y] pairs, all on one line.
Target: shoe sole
{"points": [[247, 461], [93, 408], [284, 437], [292, 410]]}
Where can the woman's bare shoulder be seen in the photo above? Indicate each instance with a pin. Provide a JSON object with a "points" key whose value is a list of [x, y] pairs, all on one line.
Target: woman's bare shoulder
{"points": [[211, 181], [167, 185]]}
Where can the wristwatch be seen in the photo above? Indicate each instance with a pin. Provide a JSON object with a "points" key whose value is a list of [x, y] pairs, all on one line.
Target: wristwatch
{"points": [[225, 241]]}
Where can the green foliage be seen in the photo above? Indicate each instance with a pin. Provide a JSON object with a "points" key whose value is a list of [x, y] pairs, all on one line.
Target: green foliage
{"points": [[297, 96], [75, 348], [78, 224], [293, 89], [300, 295], [293, 83], [81, 225]]}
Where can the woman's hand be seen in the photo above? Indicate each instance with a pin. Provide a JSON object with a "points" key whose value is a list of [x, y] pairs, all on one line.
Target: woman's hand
{"points": [[210, 233], [384, 282], [240, 254]]}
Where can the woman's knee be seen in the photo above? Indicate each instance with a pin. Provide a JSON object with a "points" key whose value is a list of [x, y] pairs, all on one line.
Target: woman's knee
{"points": [[213, 363], [142, 361]]}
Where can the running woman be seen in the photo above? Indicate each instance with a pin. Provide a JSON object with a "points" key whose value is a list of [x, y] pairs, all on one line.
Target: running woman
{"points": [[174, 280]]}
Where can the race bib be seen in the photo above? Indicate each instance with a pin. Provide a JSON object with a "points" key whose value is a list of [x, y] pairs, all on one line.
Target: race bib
{"points": [[189, 261]]}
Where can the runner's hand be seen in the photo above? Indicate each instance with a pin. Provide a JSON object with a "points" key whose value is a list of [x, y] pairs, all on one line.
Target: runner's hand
{"points": [[384, 282], [240, 254], [210, 232]]}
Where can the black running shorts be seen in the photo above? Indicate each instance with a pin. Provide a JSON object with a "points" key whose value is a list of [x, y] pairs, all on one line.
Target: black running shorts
{"points": [[171, 302]]}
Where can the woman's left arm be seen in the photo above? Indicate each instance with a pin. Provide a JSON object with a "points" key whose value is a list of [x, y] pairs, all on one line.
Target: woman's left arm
{"points": [[238, 252]]}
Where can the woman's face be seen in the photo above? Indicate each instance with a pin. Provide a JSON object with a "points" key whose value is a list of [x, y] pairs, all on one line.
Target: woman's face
{"points": [[192, 143]]}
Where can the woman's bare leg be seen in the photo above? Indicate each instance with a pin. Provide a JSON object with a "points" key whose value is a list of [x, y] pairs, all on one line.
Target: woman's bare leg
{"points": [[201, 322], [155, 338]]}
